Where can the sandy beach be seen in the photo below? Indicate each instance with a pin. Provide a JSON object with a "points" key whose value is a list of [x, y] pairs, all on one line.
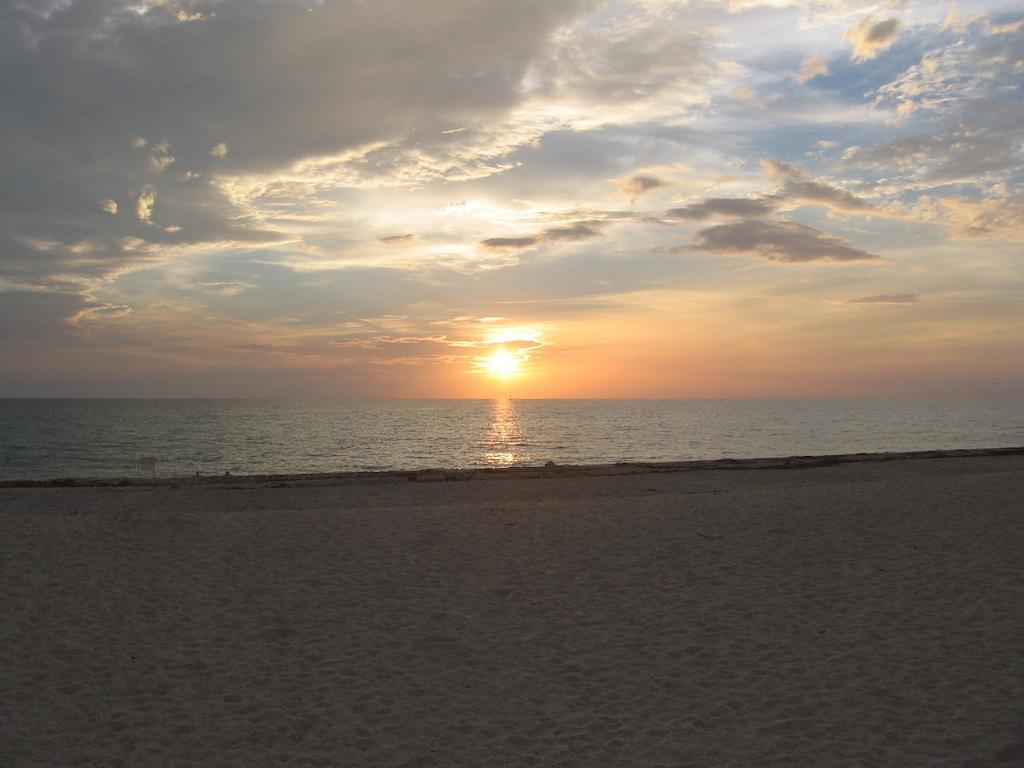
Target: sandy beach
{"points": [[843, 612]]}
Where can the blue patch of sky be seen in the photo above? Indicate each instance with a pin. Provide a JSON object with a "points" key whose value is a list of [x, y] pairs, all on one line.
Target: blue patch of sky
{"points": [[792, 143], [872, 234]]}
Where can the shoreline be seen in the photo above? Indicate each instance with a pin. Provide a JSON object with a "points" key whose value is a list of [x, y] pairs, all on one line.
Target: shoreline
{"points": [[549, 470]]}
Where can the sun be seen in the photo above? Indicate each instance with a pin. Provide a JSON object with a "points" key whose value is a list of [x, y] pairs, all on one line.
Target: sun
{"points": [[502, 363]]}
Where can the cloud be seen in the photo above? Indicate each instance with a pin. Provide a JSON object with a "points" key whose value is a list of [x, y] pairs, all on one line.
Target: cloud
{"points": [[888, 298], [419, 350], [797, 185], [955, 81], [981, 141], [398, 239], [121, 96], [108, 206], [997, 216], [1009, 28], [600, 65], [381, 342], [637, 186], [812, 66], [743, 92], [869, 37], [498, 243], [517, 345], [966, 120], [580, 230], [782, 241], [144, 205], [160, 158], [734, 207]]}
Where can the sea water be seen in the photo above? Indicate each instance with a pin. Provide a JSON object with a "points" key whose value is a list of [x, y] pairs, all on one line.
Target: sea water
{"points": [[44, 439]]}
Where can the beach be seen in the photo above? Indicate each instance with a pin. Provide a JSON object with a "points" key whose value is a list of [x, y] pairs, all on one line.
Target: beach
{"points": [[858, 611]]}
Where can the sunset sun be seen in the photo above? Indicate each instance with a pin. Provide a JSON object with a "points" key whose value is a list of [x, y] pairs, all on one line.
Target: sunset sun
{"points": [[502, 363]]}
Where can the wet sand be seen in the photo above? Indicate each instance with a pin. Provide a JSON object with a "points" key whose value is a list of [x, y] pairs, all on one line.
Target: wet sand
{"points": [[843, 611]]}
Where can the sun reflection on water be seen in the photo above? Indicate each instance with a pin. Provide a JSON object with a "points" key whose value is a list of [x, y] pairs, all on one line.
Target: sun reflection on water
{"points": [[505, 443]]}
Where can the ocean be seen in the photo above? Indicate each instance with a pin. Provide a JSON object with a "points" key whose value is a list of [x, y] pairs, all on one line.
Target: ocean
{"points": [[48, 439]]}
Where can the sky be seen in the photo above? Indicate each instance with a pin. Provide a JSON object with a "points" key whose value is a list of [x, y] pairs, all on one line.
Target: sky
{"points": [[544, 198]]}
